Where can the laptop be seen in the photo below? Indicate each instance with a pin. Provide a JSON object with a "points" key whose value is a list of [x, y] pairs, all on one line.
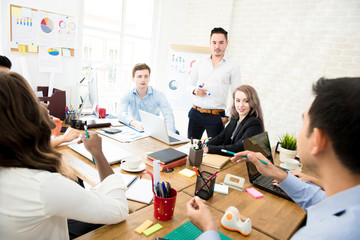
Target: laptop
{"points": [[155, 127], [261, 143]]}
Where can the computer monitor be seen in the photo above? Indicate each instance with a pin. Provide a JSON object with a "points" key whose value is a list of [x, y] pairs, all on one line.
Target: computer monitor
{"points": [[89, 104]]}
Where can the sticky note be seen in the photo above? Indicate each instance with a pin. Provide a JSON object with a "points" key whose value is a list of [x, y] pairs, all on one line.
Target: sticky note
{"points": [[32, 48], [16, 12], [253, 192], [21, 48], [187, 173], [143, 226], [221, 189], [152, 229]]}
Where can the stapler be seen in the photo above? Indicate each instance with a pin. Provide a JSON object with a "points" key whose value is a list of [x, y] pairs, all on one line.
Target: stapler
{"points": [[234, 182], [231, 221]]}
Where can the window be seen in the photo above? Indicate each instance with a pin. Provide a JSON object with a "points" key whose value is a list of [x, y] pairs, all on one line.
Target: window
{"points": [[117, 34]]}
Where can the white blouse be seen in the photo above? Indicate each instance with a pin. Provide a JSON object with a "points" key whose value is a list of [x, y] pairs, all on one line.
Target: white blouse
{"points": [[35, 204]]}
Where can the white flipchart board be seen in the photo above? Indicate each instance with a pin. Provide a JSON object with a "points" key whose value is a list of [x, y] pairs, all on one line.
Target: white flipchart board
{"points": [[181, 60]]}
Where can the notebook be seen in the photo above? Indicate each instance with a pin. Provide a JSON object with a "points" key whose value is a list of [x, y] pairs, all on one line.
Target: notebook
{"points": [[261, 143], [156, 127], [167, 155], [140, 190], [215, 160], [163, 167], [112, 150]]}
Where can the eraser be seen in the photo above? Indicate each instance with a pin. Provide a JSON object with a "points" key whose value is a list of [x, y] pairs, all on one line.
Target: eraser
{"points": [[152, 229], [187, 173], [143, 226], [221, 189], [255, 193]]}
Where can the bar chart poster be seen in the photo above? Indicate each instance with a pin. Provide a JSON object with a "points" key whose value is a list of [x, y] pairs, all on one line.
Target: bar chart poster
{"points": [[23, 25]]}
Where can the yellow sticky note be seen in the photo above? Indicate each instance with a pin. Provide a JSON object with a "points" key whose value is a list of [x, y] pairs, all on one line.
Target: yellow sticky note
{"points": [[21, 48], [143, 226], [16, 12], [32, 48], [187, 173]]}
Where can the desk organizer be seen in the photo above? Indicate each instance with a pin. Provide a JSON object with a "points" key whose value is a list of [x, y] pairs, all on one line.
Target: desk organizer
{"points": [[207, 191], [56, 102]]}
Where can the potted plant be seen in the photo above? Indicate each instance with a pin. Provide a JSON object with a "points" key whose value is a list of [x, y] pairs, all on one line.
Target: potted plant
{"points": [[287, 146]]}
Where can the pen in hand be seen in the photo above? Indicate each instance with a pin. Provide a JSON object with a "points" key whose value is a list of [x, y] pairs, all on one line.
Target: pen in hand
{"points": [[87, 135], [232, 153]]}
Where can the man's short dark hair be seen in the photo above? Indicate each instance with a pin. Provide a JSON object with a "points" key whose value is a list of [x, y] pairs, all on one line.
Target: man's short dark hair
{"points": [[5, 62], [336, 111], [140, 66], [219, 30]]}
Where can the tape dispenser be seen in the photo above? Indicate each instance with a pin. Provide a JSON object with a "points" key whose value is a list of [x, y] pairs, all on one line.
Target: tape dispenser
{"points": [[231, 221]]}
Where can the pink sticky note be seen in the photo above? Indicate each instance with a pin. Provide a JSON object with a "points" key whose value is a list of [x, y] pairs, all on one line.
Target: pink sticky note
{"points": [[253, 192]]}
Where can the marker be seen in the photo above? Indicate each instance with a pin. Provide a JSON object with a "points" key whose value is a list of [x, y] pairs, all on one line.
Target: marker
{"points": [[87, 135], [207, 93], [232, 153], [201, 177]]}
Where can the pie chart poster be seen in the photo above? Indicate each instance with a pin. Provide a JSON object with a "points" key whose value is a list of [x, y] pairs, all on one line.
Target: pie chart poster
{"points": [[56, 30], [178, 89]]}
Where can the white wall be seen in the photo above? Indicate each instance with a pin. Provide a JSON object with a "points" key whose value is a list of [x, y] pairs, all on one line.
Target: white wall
{"points": [[282, 48], [172, 19], [71, 66]]}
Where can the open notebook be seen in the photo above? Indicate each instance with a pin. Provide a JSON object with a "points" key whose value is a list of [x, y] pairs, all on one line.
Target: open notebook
{"points": [[138, 190]]}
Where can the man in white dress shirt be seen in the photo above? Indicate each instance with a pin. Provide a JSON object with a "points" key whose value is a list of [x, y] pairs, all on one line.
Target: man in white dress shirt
{"points": [[211, 78]]}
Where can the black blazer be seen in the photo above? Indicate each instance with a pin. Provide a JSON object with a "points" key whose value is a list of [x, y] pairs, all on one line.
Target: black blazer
{"points": [[248, 127]]}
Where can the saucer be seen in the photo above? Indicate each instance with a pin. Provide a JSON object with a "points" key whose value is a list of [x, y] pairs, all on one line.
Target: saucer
{"points": [[140, 168], [283, 165]]}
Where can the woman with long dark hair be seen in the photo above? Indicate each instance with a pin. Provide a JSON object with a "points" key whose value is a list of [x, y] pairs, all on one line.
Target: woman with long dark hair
{"points": [[36, 195]]}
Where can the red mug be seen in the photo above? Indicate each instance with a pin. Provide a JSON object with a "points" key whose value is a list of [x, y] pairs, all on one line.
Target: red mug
{"points": [[102, 112]]}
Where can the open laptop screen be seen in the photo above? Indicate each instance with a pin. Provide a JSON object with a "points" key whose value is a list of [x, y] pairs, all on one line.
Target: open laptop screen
{"points": [[258, 143]]}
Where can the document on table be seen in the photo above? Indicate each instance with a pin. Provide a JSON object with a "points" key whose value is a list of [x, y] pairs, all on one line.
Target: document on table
{"points": [[127, 134]]}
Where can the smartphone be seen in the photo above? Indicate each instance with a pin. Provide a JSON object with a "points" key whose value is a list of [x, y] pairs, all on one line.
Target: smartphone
{"points": [[111, 130]]}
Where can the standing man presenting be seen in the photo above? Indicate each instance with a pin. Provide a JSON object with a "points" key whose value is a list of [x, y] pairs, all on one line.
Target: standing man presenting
{"points": [[212, 78], [146, 98]]}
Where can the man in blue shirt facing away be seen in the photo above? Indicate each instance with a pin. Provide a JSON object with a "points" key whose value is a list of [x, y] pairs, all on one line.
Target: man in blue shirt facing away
{"points": [[146, 98], [328, 144]]}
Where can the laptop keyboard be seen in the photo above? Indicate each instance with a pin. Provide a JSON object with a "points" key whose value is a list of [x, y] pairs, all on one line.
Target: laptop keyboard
{"points": [[172, 139], [268, 183]]}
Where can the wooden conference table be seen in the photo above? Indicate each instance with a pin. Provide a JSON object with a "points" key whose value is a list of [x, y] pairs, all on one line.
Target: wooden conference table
{"points": [[272, 217]]}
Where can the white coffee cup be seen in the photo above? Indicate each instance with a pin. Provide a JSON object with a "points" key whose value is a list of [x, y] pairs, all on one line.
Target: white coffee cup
{"points": [[132, 161], [292, 164]]}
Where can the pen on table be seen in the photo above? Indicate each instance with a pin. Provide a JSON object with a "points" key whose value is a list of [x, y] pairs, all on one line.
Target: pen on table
{"points": [[87, 135], [205, 184], [201, 177], [232, 153]]}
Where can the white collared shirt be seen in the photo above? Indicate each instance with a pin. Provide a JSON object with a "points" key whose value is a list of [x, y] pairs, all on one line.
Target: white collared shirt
{"points": [[216, 80], [35, 204]]}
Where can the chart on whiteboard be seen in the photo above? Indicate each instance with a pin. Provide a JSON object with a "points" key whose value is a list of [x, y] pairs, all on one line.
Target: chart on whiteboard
{"points": [[177, 89]]}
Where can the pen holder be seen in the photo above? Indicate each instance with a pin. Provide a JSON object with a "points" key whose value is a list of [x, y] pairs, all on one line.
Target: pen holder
{"points": [[195, 157], [208, 190], [164, 207], [69, 116]]}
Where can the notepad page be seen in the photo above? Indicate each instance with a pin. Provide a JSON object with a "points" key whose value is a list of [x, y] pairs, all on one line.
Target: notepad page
{"points": [[140, 191]]}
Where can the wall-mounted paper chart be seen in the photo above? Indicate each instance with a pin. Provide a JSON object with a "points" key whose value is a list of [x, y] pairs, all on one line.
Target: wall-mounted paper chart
{"points": [[47, 25]]}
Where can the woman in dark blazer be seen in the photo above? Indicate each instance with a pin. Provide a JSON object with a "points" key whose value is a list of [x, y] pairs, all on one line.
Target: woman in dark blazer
{"points": [[246, 121]]}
